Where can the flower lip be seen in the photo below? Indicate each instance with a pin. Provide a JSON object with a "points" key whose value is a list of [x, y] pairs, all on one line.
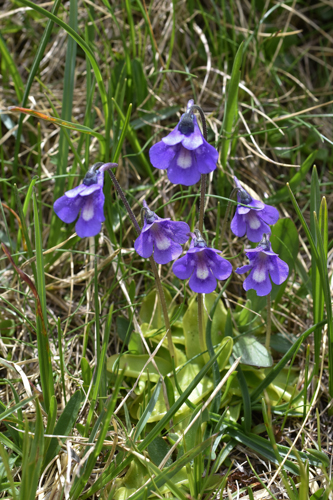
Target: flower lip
{"points": [[186, 125], [92, 175]]}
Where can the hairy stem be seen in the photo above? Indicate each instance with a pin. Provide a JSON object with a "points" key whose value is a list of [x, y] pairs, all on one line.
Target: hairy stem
{"points": [[268, 329], [201, 326], [164, 309], [202, 336], [227, 213], [152, 262], [124, 199], [202, 201]]}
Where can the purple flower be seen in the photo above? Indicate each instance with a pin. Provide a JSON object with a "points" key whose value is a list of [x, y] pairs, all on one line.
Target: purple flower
{"points": [[202, 265], [252, 221], [88, 198], [161, 236], [264, 264], [184, 152]]}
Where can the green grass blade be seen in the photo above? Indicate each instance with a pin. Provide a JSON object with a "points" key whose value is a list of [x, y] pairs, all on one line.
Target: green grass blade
{"points": [[85, 47], [314, 200], [283, 361], [231, 106], [317, 292], [114, 471], [322, 242], [22, 212], [51, 420], [131, 24], [61, 360], [64, 425], [135, 143], [216, 371], [261, 446], [5, 461], [32, 73], [100, 368], [246, 399], [106, 417], [12, 409], [12, 69], [34, 454], [146, 414], [66, 114], [268, 423], [283, 193], [165, 476], [116, 153], [42, 337], [321, 262]]}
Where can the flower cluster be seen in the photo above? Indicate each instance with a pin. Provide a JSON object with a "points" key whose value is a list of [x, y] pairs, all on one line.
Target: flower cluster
{"points": [[162, 239], [184, 153]]}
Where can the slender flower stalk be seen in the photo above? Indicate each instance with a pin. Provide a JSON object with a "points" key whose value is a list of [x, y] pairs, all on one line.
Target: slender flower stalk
{"points": [[201, 324], [202, 201], [227, 213], [152, 262], [203, 265], [269, 323]]}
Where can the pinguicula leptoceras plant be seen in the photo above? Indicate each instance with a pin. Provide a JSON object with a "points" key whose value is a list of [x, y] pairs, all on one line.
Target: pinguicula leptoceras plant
{"points": [[88, 198], [202, 265], [265, 265], [254, 218], [185, 153], [160, 237]]}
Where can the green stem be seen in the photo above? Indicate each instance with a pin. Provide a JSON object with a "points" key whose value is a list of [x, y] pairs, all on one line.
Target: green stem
{"points": [[268, 330]]}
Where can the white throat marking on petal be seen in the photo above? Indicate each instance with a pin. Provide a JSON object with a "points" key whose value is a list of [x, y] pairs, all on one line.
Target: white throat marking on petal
{"points": [[162, 242], [88, 211], [184, 159], [260, 271], [259, 274], [253, 220], [202, 272]]}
